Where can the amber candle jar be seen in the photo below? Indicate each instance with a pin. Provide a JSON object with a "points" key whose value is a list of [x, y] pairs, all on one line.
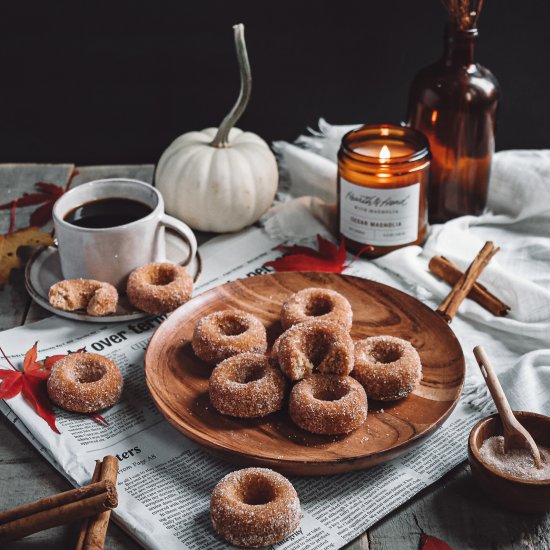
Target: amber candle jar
{"points": [[382, 188]]}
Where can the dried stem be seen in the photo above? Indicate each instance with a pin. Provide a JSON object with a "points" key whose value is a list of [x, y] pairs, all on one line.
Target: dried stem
{"points": [[463, 14], [222, 136]]}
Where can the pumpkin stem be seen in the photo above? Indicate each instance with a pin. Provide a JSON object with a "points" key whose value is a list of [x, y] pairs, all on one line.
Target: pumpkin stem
{"points": [[221, 139]]}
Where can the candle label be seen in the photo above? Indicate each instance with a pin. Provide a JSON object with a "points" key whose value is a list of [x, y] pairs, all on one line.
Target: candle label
{"points": [[382, 217]]}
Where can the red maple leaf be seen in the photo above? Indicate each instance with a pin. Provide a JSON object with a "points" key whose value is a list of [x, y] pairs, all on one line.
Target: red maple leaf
{"points": [[427, 542], [44, 198], [329, 258], [31, 383]]}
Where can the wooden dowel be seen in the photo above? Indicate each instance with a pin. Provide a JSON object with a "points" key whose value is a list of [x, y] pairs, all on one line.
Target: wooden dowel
{"points": [[55, 501], [86, 521], [449, 272], [462, 287], [52, 517], [97, 527]]}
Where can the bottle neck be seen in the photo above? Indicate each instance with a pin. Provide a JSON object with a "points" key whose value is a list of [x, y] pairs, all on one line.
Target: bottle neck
{"points": [[459, 47]]}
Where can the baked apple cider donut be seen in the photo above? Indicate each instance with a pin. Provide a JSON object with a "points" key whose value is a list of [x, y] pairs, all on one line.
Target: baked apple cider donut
{"points": [[84, 382], [316, 303], [254, 507], [95, 297], [247, 386], [314, 346], [159, 287], [389, 368], [223, 334], [328, 404]]}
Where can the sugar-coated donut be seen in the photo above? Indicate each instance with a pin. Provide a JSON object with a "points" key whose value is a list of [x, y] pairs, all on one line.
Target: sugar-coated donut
{"points": [[328, 404], [95, 297], [316, 303], [314, 346], [159, 287], [246, 386], [389, 368], [84, 382], [254, 507], [223, 334]]}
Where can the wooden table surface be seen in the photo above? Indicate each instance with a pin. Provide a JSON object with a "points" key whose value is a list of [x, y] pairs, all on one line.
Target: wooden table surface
{"points": [[452, 509]]}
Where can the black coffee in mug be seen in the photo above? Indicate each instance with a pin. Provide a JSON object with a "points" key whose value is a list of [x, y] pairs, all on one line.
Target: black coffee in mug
{"points": [[108, 212]]}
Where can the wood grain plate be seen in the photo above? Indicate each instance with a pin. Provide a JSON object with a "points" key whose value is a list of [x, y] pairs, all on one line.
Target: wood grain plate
{"points": [[178, 381]]}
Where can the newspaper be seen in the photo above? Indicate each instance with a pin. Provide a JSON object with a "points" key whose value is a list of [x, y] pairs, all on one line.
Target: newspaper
{"points": [[165, 480]]}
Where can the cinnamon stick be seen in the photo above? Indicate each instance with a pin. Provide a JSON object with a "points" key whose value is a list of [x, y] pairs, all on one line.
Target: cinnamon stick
{"points": [[54, 501], [97, 526], [86, 521], [464, 284], [58, 510], [449, 272]]}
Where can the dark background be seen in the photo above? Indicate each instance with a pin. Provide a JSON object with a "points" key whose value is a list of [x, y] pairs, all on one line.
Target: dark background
{"points": [[115, 82]]}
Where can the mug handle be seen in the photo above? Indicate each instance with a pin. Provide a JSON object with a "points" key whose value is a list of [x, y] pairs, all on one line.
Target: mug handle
{"points": [[184, 231]]}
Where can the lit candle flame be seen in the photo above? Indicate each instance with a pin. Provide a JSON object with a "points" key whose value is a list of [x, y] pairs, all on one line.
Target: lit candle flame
{"points": [[384, 153]]}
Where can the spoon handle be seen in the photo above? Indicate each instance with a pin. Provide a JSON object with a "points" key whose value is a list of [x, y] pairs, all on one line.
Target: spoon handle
{"points": [[515, 435]]}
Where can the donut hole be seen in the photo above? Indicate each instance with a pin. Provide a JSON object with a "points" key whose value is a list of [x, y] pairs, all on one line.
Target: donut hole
{"points": [[384, 353], [317, 306], [161, 276], [232, 326], [252, 374], [329, 393], [257, 493], [87, 374]]}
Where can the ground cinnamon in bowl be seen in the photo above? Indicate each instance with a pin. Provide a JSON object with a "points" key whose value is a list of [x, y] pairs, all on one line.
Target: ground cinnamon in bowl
{"points": [[515, 462]]}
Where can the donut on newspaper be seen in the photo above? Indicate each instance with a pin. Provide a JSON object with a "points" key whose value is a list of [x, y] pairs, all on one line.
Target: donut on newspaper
{"points": [[84, 382], [254, 507]]}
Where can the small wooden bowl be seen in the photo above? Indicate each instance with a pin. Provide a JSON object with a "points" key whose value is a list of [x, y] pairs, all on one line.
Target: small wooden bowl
{"points": [[512, 493]]}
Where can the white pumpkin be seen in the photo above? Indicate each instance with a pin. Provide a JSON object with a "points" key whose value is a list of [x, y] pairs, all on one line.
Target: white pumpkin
{"points": [[220, 179], [217, 188]]}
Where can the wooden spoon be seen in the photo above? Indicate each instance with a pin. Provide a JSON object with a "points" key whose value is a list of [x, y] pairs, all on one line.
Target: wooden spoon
{"points": [[515, 435]]}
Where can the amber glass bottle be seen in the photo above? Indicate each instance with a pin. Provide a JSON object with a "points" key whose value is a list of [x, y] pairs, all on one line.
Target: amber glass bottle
{"points": [[453, 103]]}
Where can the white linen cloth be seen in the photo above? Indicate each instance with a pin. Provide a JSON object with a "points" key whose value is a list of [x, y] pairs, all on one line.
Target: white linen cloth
{"points": [[517, 219]]}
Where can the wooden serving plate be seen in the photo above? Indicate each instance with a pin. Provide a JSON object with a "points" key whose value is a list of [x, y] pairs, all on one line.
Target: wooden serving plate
{"points": [[178, 381]]}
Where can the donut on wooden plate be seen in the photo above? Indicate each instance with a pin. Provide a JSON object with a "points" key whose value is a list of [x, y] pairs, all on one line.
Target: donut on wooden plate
{"points": [[223, 334], [389, 368], [254, 507], [314, 346], [328, 404], [84, 382], [159, 287], [95, 297], [316, 303], [246, 386]]}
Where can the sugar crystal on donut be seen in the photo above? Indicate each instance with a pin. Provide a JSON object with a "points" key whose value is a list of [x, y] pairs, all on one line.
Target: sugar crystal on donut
{"points": [[247, 386], [96, 297], [328, 404], [84, 382], [388, 367], [314, 346], [159, 287], [316, 303], [254, 507], [223, 334]]}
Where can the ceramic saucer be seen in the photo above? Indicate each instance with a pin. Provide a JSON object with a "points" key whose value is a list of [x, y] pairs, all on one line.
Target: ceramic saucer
{"points": [[44, 269]]}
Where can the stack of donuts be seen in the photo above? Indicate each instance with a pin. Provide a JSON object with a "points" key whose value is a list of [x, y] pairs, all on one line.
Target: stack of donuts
{"points": [[330, 377]]}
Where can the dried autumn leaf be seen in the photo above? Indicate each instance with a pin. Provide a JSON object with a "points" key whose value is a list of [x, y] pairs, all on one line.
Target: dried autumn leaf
{"points": [[427, 542], [9, 244], [329, 258], [46, 196]]}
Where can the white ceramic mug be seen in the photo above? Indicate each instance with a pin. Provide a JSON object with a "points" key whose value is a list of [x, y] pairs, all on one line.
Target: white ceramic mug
{"points": [[110, 254]]}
